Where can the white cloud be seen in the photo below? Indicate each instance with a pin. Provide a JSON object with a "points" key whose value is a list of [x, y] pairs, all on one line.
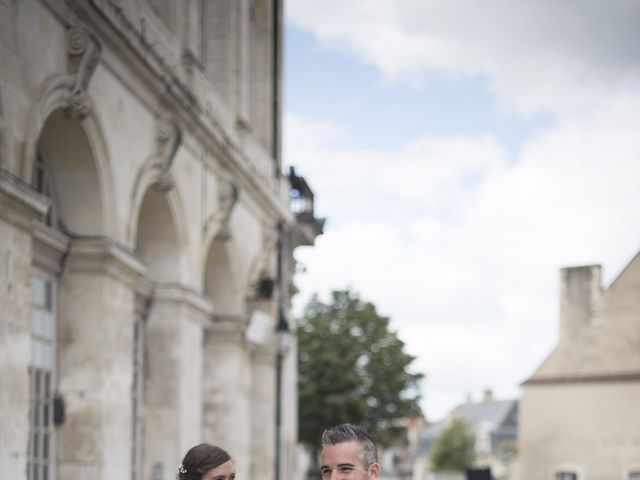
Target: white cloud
{"points": [[434, 172], [469, 272], [458, 242], [537, 55]]}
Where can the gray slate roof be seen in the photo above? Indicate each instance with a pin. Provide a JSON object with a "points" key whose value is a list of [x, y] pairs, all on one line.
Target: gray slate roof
{"points": [[500, 417]]}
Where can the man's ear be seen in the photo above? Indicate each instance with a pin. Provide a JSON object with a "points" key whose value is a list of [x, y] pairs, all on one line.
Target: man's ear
{"points": [[374, 470]]}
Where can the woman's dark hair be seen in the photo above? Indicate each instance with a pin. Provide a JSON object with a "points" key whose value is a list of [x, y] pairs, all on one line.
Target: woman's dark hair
{"points": [[199, 460]]}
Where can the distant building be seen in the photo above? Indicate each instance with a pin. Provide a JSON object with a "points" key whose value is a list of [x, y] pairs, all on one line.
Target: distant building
{"points": [[580, 411], [146, 238], [494, 424], [396, 460]]}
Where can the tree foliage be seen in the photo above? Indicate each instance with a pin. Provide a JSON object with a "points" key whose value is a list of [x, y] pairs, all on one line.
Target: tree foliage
{"points": [[352, 368], [453, 448]]}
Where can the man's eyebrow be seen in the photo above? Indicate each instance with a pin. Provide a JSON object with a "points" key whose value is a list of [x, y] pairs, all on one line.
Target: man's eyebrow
{"points": [[346, 465]]}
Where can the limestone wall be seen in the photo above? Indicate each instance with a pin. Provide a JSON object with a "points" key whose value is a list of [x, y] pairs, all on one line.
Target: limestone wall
{"points": [[128, 160]]}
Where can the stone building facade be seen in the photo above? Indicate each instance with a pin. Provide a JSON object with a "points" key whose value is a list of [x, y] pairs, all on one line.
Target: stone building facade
{"points": [[146, 238], [580, 414]]}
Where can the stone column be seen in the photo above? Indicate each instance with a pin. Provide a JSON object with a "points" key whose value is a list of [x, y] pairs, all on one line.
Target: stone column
{"points": [[173, 388], [19, 207], [263, 407], [226, 382], [96, 320]]}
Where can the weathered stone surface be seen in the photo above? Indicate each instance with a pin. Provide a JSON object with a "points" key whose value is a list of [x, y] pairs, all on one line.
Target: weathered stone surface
{"points": [[158, 165]]}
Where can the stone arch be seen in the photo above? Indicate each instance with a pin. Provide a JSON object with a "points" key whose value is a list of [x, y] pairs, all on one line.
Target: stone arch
{"points": [[52, 96], [159, 234], [222, 281], [156, 173], [76, 154]]}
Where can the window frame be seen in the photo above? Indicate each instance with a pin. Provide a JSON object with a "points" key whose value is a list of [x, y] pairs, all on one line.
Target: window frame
{"points": [[43, 377]]}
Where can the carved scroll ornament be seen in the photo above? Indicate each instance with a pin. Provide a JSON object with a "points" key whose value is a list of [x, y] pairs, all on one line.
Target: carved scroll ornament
{"points": [[83, 55], [167, 141], [218, 222]]}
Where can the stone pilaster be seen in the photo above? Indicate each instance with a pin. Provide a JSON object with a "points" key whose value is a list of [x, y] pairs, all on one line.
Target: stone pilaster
{"points": [[19, 207], [263, 409], [173, 380], [96, 321], [226, 382]]}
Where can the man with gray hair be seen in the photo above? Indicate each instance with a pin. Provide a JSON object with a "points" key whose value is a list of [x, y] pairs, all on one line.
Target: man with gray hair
{"points": [[348, 452]]}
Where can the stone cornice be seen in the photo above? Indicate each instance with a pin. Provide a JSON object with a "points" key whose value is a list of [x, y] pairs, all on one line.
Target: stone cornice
{"points": [[20, 204], [153, 69], [577, 379], [103, 255]]}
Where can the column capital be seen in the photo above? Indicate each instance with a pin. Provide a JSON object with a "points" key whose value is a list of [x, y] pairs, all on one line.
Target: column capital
{"points": [[104, 255], [200, 307], [227, 328]]}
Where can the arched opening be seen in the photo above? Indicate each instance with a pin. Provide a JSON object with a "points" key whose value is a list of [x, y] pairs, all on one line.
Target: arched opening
{"points": [[66, 168], [221, 282], [157, 240]]}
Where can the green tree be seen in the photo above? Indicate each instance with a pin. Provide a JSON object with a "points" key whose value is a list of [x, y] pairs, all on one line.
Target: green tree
{"points": [[352, 368], [453, 448]]}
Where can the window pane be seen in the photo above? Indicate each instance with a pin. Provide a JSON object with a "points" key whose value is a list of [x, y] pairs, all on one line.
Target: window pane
{"points": [[47, 361], [48, 296], [47, 384], [36, 446], [37, 383], [36, 416], [45, 446], [37, 291]]}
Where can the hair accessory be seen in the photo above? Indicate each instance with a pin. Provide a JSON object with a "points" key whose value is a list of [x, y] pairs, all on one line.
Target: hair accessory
{"points": [[181, 469]]}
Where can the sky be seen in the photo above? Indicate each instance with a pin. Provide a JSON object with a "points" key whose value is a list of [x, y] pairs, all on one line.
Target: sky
{"points": [[462, 153]]}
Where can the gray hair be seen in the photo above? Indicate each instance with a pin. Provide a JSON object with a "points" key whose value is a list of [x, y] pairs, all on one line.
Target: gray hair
{"points": [[348, 432]]}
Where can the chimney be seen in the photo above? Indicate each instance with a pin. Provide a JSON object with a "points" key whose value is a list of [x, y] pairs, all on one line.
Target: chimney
{"points": [[580, 290], [488, 395]]}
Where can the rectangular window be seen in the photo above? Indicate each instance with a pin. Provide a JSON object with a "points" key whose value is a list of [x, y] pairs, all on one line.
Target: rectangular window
{"points": [[42, 367], [566, 476]]}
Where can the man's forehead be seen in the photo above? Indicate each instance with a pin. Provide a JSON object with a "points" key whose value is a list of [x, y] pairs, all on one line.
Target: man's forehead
{"points": [[345, 452]]}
